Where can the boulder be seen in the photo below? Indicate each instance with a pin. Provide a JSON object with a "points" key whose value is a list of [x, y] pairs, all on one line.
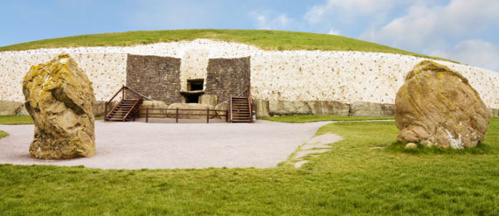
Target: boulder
{"points": [[10, 107], [437, 107], [99, 108], [371, 109], [288, 108], [153, 104], [494, 112], [23, 111], [261, 107], [208, 99], [197, 111], [329, 108], [222, 106], [60, 99]]}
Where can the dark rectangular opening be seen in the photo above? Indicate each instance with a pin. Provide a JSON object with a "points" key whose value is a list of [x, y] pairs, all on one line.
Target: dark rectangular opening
{"points": [[195, 84], [191, 98]]}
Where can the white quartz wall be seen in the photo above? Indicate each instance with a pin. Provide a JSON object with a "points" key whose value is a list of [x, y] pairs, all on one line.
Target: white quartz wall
{"points": [[193, 66], [275, 75], [348, 76], [105, 70]]}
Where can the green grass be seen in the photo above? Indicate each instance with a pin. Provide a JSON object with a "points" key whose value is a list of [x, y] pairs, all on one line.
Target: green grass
{"points": [[352, 179], [3, 134], [19, 120], [265, 39], [317, 118], [15, 120]]}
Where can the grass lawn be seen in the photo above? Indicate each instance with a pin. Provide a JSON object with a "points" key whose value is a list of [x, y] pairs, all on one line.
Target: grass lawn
{"points": [[15, 120], [265, 39], [3, 134], [18, 120], [318, 118], [352, 179]]}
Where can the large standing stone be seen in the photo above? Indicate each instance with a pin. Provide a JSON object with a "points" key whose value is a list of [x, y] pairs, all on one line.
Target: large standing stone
{"points": [[152, 104], [60, 98], [288, 108], [261, 107], [371, 109], [10, 107], [329, 108], [222, 106], [437, 106], [190, 110], [208, 99]]}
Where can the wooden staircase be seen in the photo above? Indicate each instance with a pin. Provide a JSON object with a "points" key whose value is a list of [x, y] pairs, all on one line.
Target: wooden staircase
{"points": [[240, 110], [126, 110]]}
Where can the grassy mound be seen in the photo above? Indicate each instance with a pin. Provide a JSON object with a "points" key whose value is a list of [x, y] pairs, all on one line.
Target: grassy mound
{"points": [[264, 39]]}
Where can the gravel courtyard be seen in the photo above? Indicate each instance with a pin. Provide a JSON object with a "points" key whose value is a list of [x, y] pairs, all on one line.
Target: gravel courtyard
{"points": [[138, 145]]}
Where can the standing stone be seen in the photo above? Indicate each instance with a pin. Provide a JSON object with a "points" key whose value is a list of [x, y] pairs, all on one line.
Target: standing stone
{"points": [[10, 107], [329, 108], [437, 107], [288, 108], [261, 107], [360, 108], [153, 104], [222, 106], [60, 99], [208, 99]]}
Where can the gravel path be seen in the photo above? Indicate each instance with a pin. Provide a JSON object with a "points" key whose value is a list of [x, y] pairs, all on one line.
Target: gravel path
{"points": [[190, 144]]}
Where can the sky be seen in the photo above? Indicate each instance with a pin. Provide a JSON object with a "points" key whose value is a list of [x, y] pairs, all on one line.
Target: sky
{"points": [[462, 30]]}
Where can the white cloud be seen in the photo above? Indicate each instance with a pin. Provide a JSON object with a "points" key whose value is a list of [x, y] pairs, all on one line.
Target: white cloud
{"points": [[433, 27], [268, 20], [345, 9], [333, 32], [352, 17], [474, 52]]}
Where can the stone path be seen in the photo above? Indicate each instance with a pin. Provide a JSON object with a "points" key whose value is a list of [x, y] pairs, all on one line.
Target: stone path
{"points": [[191, 144], [313, 148]]}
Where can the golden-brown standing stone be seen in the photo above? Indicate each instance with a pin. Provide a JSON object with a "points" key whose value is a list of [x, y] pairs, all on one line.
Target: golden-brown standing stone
{"points": [[60, 99], [437, 107]]}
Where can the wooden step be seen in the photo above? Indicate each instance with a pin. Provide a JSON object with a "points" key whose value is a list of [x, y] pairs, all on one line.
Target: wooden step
{"points": [[241, 121], [241, 110], [124, 107]]}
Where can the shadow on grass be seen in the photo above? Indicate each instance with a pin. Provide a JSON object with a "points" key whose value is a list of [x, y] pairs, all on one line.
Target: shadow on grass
{"points": [[399, 146]]}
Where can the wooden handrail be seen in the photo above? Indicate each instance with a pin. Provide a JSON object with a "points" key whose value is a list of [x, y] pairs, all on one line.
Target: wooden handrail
{"points": [[132, 109], [230, 108], [109, 113], [122, 90], [137, 93], [250, 103], [108, 102], [178, 113]]}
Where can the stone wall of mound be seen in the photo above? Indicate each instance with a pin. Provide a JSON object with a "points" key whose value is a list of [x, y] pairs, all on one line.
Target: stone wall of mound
{"points": [[276, 76]]}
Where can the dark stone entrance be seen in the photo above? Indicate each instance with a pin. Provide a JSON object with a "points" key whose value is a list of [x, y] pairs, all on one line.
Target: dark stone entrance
{"points": [[159, 78], [155, 76], [228, 77]]}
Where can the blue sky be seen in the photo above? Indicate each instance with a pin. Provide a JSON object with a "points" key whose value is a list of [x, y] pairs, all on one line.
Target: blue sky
{"points": [[463, 30]]}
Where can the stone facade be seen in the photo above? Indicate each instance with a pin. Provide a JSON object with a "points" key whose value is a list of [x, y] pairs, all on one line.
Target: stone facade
{"points": [[228, 77], [155, 76], [345, 77]]}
